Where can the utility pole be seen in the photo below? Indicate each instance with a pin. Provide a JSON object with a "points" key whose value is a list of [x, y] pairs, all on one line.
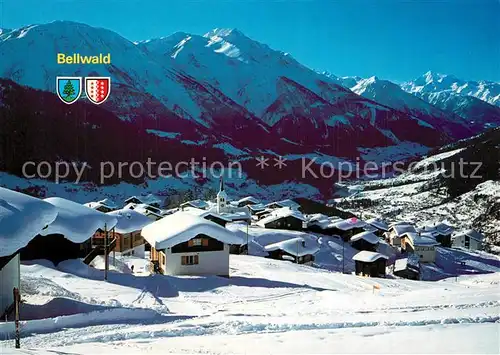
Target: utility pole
{"points": [[343, 245], [17, 300], [106, 261], [248, 247], [297, 257]]}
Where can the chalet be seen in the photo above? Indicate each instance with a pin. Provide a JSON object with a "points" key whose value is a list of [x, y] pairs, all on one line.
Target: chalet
{"points": [[370, 264], [183, 244], [468, 239], [254, 209], [150, 199], [440, 231], [126, 234], [419, 244], [210, 215], [380, 226], [247, 201], [264, 213], [284, 203], [346, 228], [294, 250], [408, 268], [104, 206], [15, 210], [195, 204], [396, 231], [69, 235], [283, 218], [152, 212], [365, 241]]}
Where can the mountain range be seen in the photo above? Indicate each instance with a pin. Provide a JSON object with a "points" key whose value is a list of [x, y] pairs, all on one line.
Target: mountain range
{"points": [[227, 96]]}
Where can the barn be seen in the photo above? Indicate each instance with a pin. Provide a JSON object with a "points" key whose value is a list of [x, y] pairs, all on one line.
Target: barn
{"points": [[294, 250], [370, 263]]}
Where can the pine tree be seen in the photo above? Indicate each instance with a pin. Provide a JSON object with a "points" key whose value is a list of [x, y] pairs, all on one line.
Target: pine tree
{"points": [[68, 90]]}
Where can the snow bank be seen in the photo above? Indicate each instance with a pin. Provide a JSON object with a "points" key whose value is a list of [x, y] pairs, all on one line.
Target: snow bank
{"points": [[294, 246]]}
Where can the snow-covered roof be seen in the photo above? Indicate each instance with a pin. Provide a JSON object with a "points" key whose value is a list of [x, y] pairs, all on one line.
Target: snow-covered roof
{"points": [[412, 261], [248, 199], [438, 229], [196, 203], [75, 221], [280, 213], [144, 209], [96, 205], [400, 229], [22, 217], [368, 256], [238, 213], [471, 233], [148, 199], [286, 203], [257, 207], [294, 246], [181, 227], [420, 239], [348, 224], [367, 236], [205, 213], [129, 220], [370, 228], [378, 223]]}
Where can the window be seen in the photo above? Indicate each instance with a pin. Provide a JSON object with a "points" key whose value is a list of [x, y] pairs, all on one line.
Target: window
{"points": [[195, 242], [189, 260]]}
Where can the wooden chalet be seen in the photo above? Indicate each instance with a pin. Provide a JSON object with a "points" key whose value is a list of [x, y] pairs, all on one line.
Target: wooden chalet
{"points": [[370, 264]]}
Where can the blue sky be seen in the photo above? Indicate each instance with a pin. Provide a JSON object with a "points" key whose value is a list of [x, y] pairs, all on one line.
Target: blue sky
{"points": [[395, 40]]}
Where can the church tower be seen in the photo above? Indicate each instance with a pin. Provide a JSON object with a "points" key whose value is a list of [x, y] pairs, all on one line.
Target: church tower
{"points": [[221, 197]]}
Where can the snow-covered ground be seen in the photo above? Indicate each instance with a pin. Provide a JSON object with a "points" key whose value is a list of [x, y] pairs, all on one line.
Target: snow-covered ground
{"points": [[266, 306]]}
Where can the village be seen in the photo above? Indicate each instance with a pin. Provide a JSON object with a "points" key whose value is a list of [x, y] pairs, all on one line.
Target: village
{"points": [[198, 237]]}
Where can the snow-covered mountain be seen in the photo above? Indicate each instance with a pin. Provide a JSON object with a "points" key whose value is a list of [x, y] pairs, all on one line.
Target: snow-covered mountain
{"points": [[226, 90], [430, 82]]}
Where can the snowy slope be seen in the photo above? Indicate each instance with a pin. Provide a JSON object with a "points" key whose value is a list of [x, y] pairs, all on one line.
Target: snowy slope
{"points": [[272, 306]]}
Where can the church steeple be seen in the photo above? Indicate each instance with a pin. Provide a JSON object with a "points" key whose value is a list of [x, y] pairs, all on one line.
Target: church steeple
{"points": [[221, 197]]}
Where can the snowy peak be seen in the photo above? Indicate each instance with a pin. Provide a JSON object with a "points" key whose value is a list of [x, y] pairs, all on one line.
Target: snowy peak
{"points": [[432, 82]]}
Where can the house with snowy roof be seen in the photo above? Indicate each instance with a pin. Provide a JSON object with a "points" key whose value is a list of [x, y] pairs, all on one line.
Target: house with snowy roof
{"points": [[441, 231], [184, 244], [283, 218], [365, 241], [254, 209], [210, 215], [69, 235], [125, 236], [105, 205], [468, 239], [396, 231], [22, 217], [408, 267], [294, 250], [380, 226], [247, 201], [149, 199], [370, 263], [152, 212], [284, 203], [419, 244], [195, 204], [346, 228]]}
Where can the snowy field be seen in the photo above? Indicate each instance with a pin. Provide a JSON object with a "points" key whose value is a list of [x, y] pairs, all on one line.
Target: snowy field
{"points": [[266, 306]]}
